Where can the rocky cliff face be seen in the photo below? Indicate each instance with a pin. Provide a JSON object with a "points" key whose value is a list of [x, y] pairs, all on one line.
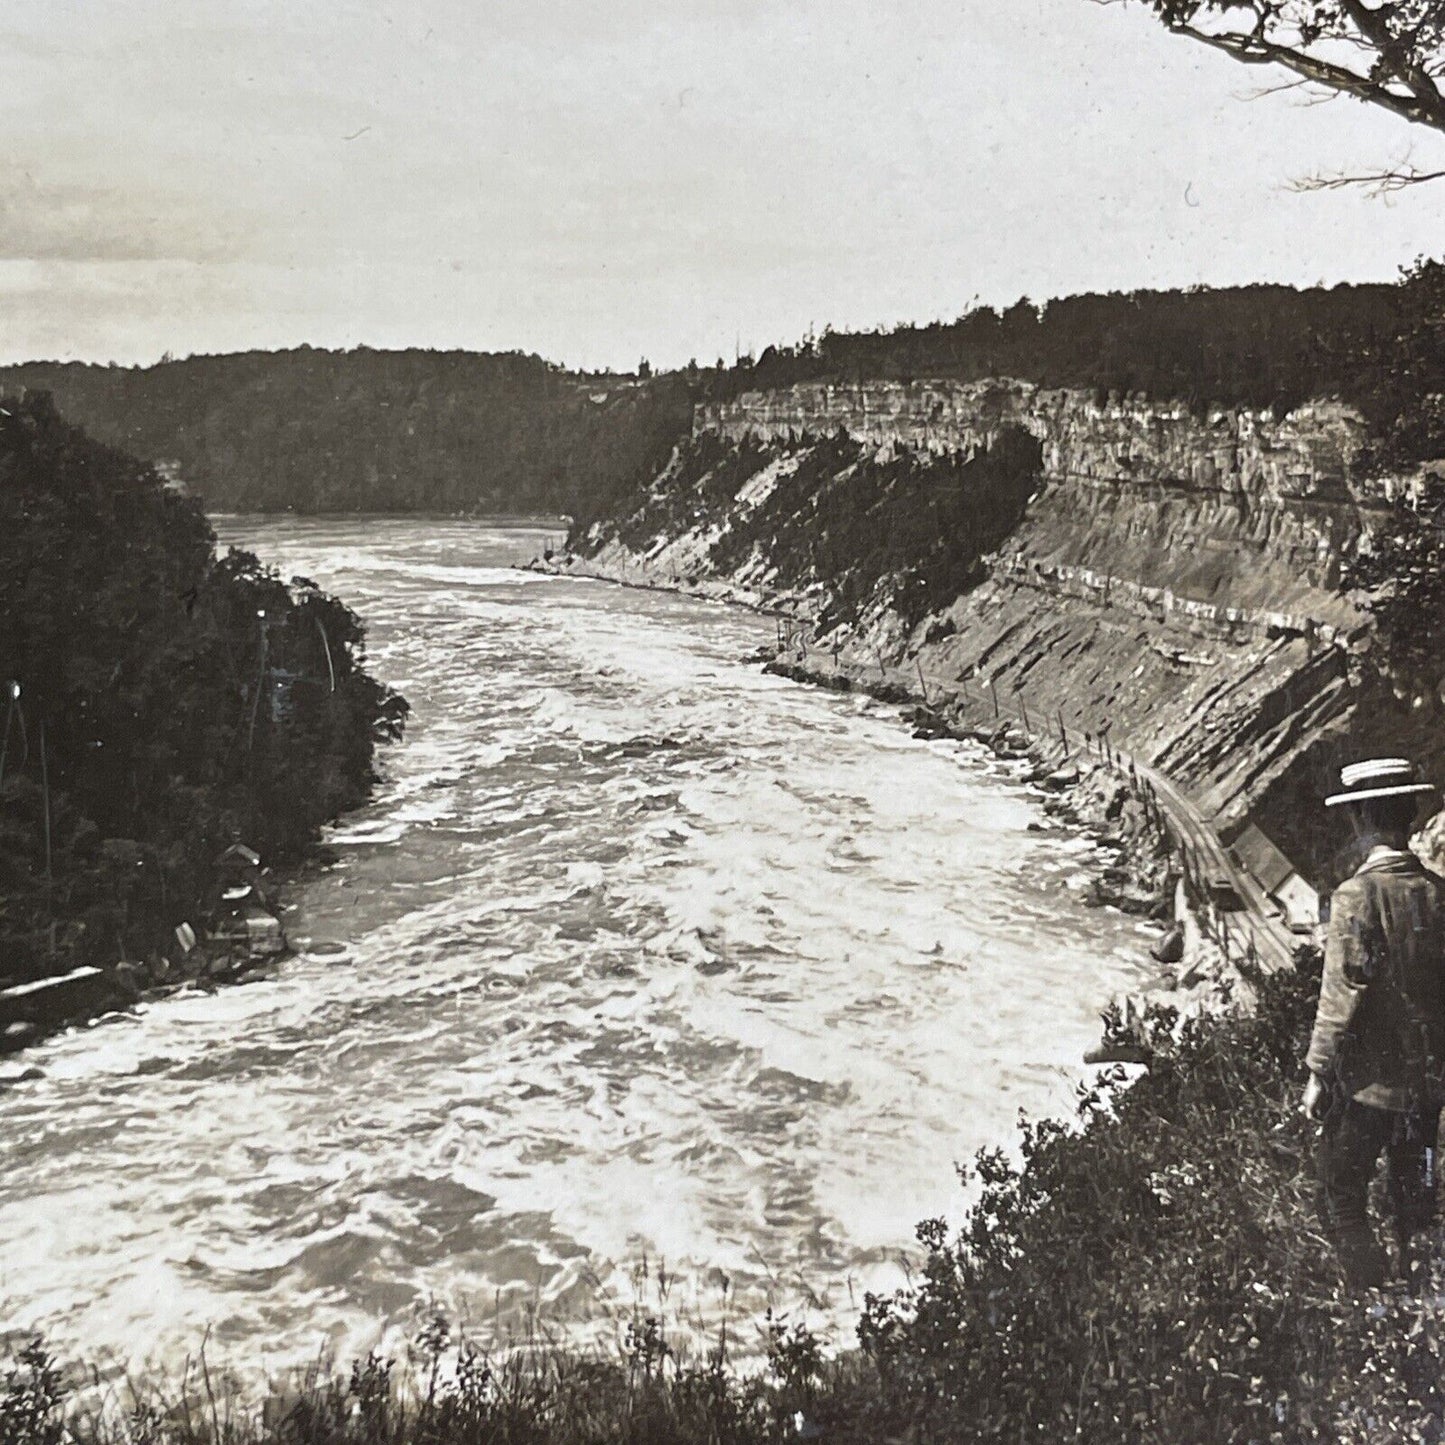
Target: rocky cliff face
{"points": [[1129, 480], [1173, 579], [1306, 453]]}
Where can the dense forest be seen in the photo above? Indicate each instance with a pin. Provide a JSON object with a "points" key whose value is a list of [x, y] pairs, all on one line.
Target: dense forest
{"points": [[462, 432], [1255, 346], [324, 431], [159, 703]]}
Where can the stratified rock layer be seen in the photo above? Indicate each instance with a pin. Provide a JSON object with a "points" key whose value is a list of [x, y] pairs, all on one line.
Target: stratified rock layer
{"points": [[1174, 582]]}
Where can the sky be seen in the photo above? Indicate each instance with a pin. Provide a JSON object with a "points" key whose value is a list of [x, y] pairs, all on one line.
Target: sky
{"points": [[599, 182]]}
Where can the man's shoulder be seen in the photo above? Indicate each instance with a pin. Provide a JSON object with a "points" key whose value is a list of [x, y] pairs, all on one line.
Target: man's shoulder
{"points": [[1437, 878], [1353, 890], [1410, 867], [1404, 872]]}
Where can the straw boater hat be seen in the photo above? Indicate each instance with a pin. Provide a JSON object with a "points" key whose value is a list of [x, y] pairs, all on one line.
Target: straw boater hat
{"points": [[1378, 778]]}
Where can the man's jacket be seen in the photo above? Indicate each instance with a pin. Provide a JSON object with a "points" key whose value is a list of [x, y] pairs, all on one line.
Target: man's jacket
{"points": [[1380, 1026]]}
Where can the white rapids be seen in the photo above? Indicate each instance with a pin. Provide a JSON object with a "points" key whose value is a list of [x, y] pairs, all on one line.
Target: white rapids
{"points": [[638, 954]]}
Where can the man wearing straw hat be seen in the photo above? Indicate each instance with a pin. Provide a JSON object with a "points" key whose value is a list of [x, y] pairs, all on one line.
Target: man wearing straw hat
{"points": [[1378, 1048]]}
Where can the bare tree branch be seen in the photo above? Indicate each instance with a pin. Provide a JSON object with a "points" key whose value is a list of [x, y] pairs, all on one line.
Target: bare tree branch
{"points": [[1389, 53], [1375, 183], [1252, 50], [1308, 93]]}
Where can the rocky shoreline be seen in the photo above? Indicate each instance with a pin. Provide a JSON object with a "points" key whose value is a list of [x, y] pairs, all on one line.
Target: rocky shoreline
{"points": [[234, 951], [1085, 787]]}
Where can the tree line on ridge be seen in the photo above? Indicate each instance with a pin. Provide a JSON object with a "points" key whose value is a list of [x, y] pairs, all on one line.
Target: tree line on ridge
{"points": [[456, 432]]}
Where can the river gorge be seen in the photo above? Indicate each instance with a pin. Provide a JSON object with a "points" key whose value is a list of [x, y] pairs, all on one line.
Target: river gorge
{"points": [[637, 955]]}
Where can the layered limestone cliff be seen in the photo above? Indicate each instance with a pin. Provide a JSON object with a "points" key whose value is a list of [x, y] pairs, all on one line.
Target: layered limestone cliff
{"points": [[1173, 579], [1303, 454]]}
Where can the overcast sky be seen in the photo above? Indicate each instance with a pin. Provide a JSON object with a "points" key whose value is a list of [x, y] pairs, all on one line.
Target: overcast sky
{"points": [[601, 181]]}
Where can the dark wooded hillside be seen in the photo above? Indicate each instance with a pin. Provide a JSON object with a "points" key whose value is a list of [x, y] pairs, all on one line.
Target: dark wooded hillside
{"points": [[159, 704], [385, 431], [1253, 346]]}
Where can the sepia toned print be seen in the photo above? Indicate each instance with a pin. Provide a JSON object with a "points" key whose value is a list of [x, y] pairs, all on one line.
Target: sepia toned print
{"points": [[722, 724]]}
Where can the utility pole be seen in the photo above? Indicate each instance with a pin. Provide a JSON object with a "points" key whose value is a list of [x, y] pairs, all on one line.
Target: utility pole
{"points": [[49, 879], [13, 692], [260, 680]]}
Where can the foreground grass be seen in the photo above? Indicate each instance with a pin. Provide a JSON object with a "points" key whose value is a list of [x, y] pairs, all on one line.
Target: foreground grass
{"points": [[1154, 1275]]}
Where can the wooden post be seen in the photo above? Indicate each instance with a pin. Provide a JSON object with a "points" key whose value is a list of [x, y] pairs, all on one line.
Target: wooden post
{"points": [[260, 681], [1063, 735], [993, 688], [922, 681], [1023, 711]]}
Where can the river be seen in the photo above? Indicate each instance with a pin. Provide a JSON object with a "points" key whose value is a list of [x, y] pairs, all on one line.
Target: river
{"points": [[638, 955]]}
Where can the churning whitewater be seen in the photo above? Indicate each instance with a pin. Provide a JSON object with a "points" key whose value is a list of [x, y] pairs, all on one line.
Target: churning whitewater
{"points": [[637, 954]]}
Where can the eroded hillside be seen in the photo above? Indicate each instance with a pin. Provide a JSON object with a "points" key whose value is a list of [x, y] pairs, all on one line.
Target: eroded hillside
{"points": [[1168, 576]]}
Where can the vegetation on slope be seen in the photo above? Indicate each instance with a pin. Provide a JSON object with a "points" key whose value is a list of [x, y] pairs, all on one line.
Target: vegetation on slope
{"points": [[898, 527], [1407, 404], [1400, 566], [159, 704], [1403, 570]]}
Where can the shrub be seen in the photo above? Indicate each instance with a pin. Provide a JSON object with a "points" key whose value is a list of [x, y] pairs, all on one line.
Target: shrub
{"points": [[1157, 1276], [32, 1398]]}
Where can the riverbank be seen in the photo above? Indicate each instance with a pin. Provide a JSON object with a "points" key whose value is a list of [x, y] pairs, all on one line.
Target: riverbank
{"points": [[1151, 1274], [1165, 859], [171, 718], [32, 1013]]}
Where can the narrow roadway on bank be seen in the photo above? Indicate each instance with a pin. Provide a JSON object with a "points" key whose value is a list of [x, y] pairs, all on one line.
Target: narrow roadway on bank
{"points": [[1259, 923]]}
